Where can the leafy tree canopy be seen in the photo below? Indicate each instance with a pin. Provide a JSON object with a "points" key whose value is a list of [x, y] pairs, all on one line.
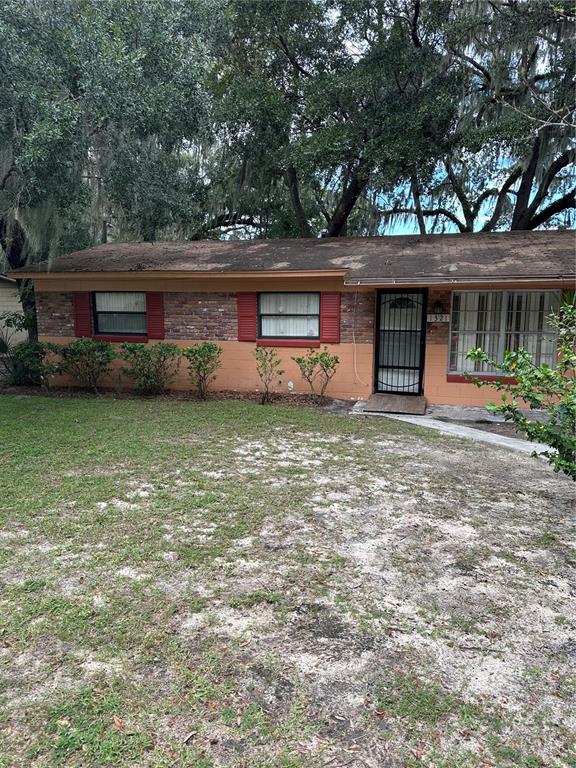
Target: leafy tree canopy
{"points": [[273, 118]]}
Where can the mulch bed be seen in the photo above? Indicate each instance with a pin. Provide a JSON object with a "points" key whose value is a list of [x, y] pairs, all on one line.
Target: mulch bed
{"points": [[297, 400]]}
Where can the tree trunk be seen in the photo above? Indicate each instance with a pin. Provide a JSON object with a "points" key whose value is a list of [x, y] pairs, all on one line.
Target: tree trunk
{"points": [[149, 232], [414, 188], [521, 216], [299, 213], [357, 184], [13, 242], [462, 197]]}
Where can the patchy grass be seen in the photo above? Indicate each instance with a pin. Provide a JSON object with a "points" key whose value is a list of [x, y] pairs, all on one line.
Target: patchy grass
{"points": [[223, 585], [406, 696]]}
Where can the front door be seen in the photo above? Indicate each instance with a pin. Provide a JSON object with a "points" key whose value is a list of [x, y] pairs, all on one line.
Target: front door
{"points": [[401, 333]]}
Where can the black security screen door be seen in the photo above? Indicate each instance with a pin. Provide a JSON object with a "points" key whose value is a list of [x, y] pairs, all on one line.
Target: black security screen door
{"points": [[400, 342]]}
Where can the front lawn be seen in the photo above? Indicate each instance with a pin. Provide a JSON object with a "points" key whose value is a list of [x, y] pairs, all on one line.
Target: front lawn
{"points": [[227, 584]]}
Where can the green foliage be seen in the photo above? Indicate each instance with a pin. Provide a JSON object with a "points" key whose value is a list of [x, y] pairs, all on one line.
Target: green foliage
{"points": [[84, 360], [21, 363], [25, 364], [318, 369], [151, 366], [100, 103], [148, 117], [541, 387], [268, 364], [203, 362], [12, 323]]}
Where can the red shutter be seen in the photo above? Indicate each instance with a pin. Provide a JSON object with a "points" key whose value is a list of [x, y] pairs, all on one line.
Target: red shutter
{"points": [[330, 318], [155, 315], [82, 314], [247, 308]]}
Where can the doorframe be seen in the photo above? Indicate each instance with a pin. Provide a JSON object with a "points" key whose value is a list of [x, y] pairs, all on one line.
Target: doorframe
{"points": [[424, 293]]}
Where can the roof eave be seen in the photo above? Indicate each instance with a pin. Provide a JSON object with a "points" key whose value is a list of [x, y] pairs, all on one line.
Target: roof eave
{"points": [[166, 273]]}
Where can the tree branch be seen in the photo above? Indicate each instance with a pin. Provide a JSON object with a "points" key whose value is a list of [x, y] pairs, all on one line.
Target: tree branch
{"points": [[461, 195], [429, 212], [496, 213], [559, 205], [414, 25], [224, 220], [415, 190], [291, 58], [566, 158], [483, 71]]}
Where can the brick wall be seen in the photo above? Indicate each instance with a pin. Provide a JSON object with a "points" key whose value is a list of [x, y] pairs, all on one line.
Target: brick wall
{"points": [[55, 314], [205, 316], [437, 333], [357, 319]]}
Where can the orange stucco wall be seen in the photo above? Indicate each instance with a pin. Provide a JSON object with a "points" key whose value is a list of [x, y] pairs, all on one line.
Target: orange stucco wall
{"points": [[238, 372]]}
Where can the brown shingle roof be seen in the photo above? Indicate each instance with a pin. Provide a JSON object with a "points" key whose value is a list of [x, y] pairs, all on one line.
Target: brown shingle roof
{"points": [[454, 257]]}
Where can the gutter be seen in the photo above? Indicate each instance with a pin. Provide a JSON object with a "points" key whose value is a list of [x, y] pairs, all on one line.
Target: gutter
{"points": [[376, 281]]}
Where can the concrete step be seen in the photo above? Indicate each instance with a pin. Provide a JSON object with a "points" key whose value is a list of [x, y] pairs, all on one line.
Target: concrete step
{"points": [[383, 403]]}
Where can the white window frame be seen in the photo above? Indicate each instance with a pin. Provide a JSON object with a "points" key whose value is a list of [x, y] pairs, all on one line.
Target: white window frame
{"points": [[502, 332]]}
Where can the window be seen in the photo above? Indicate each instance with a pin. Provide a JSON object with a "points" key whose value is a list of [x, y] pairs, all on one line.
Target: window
{"points": [[289, 315], [500, 321], [120, 313]]}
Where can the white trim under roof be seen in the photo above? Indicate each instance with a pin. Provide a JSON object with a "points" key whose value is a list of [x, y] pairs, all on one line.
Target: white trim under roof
{"points": [[376, 281]]}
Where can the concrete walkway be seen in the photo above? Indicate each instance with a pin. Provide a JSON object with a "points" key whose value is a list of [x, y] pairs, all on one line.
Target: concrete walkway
{"points": [[457, 430]]}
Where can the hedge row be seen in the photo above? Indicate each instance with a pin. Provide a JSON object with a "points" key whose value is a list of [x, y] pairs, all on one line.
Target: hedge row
{"points": [[151, 368]]}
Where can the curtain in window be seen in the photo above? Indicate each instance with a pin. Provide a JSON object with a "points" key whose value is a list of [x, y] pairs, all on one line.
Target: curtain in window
{"points": [[120, 312], [118, 301], [290, 315], [276, 327], [289, 303]]}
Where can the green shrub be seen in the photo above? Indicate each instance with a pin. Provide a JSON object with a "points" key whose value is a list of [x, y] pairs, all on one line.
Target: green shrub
{"points": [[12, 323], [84, 360], [318, 368], [268, 368], [25, 364], [541, 387], [203, 362], [151, 366], [20, 364]]}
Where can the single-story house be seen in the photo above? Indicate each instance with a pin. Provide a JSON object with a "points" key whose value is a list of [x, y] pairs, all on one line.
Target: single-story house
{"points": [[401, 312], [10, 302]]}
